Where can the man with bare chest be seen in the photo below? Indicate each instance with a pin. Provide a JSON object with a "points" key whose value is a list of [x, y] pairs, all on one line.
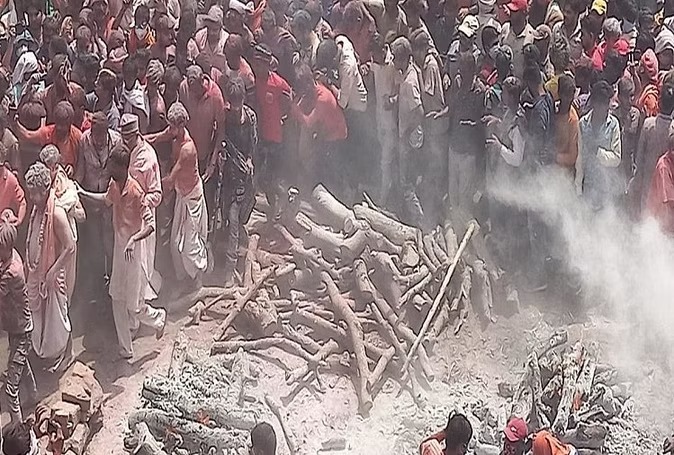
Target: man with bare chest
{"points": [[50, 247]]}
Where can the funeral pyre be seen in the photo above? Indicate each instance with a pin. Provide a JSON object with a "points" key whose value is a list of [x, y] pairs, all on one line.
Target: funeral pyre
{"points": [[586, 403], [350, 291]]}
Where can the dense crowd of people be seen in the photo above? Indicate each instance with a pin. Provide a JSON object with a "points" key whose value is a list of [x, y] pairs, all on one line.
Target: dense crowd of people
{"points": [[143, 132]]}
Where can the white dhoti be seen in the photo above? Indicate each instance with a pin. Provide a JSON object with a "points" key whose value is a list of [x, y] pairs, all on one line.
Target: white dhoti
{"points": [[129, 286], [51, 323], [189, 233]]}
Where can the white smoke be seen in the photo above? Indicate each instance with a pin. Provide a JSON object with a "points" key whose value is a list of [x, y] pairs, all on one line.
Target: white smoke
{"points": [[626, 268]]}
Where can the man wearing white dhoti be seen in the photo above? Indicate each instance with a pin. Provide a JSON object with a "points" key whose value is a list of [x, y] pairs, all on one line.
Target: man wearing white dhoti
{"points": [[66, 196], [49, 248], [190, 218], [133, 223]]}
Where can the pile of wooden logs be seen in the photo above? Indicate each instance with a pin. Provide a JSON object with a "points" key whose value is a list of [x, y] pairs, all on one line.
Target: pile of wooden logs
{"points": [[201, 406], [325, 283], [566, 390]]}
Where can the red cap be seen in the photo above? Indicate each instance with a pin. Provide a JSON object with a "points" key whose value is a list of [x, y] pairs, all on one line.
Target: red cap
{"points": [[516, 430], [518, 5], [622, 47]]}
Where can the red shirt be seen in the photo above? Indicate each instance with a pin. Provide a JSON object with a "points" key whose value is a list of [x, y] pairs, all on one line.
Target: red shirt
{"points": [[11, 194], [269, 94], [68, 146], [660, 202], [206, 112], [325, 117]]}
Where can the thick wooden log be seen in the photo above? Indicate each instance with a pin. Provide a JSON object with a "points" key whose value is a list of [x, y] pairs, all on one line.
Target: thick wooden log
{"points": [[318, 358], [267, 259], [379, 242], [584, 383], [386, 275], [552, 392], [306, 382], [312, 257], [472, 227], [354, 245], [481, 293], [228, 347], [275, 409], [441, 321], [330, 208], [242, 301], [424, 256], [209, 294], [573, 359], [413, 278], [261, 316], [430, 250], [389, 332], [175, 398], [195, 435], [355, 331], [393, 230], [321, 325], [378, 372], [178, 355], [537, 392], [550, 365], [316, 236], [305, 341], [416, 288], [399, 327]]}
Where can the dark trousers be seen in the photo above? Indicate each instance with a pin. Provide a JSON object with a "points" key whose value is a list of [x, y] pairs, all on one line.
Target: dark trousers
{"points": [[95, 257], [269, 171], [241, 201], [19, 372], [360, 154]]}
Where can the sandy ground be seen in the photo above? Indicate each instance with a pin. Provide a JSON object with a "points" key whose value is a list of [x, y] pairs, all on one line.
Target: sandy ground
{"points": [[468, 370]]}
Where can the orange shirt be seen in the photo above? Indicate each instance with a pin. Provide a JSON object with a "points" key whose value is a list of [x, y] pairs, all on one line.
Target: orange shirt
{"points": [[129, 213], [186, 159], [68, 146], [11, 194], [648, 100], [546, 444], [566, 132]]}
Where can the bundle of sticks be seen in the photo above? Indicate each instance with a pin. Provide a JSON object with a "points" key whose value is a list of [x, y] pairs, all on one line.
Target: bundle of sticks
{"points": [[566, 390], [325, 283]]}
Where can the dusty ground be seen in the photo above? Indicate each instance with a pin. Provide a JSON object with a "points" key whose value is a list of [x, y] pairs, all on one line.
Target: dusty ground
{"points": [[469, 368]]}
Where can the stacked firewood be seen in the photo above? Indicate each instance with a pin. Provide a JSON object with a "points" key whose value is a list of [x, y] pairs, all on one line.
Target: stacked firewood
{"points": [[566, 390], [198, 407], [325, 283]]}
